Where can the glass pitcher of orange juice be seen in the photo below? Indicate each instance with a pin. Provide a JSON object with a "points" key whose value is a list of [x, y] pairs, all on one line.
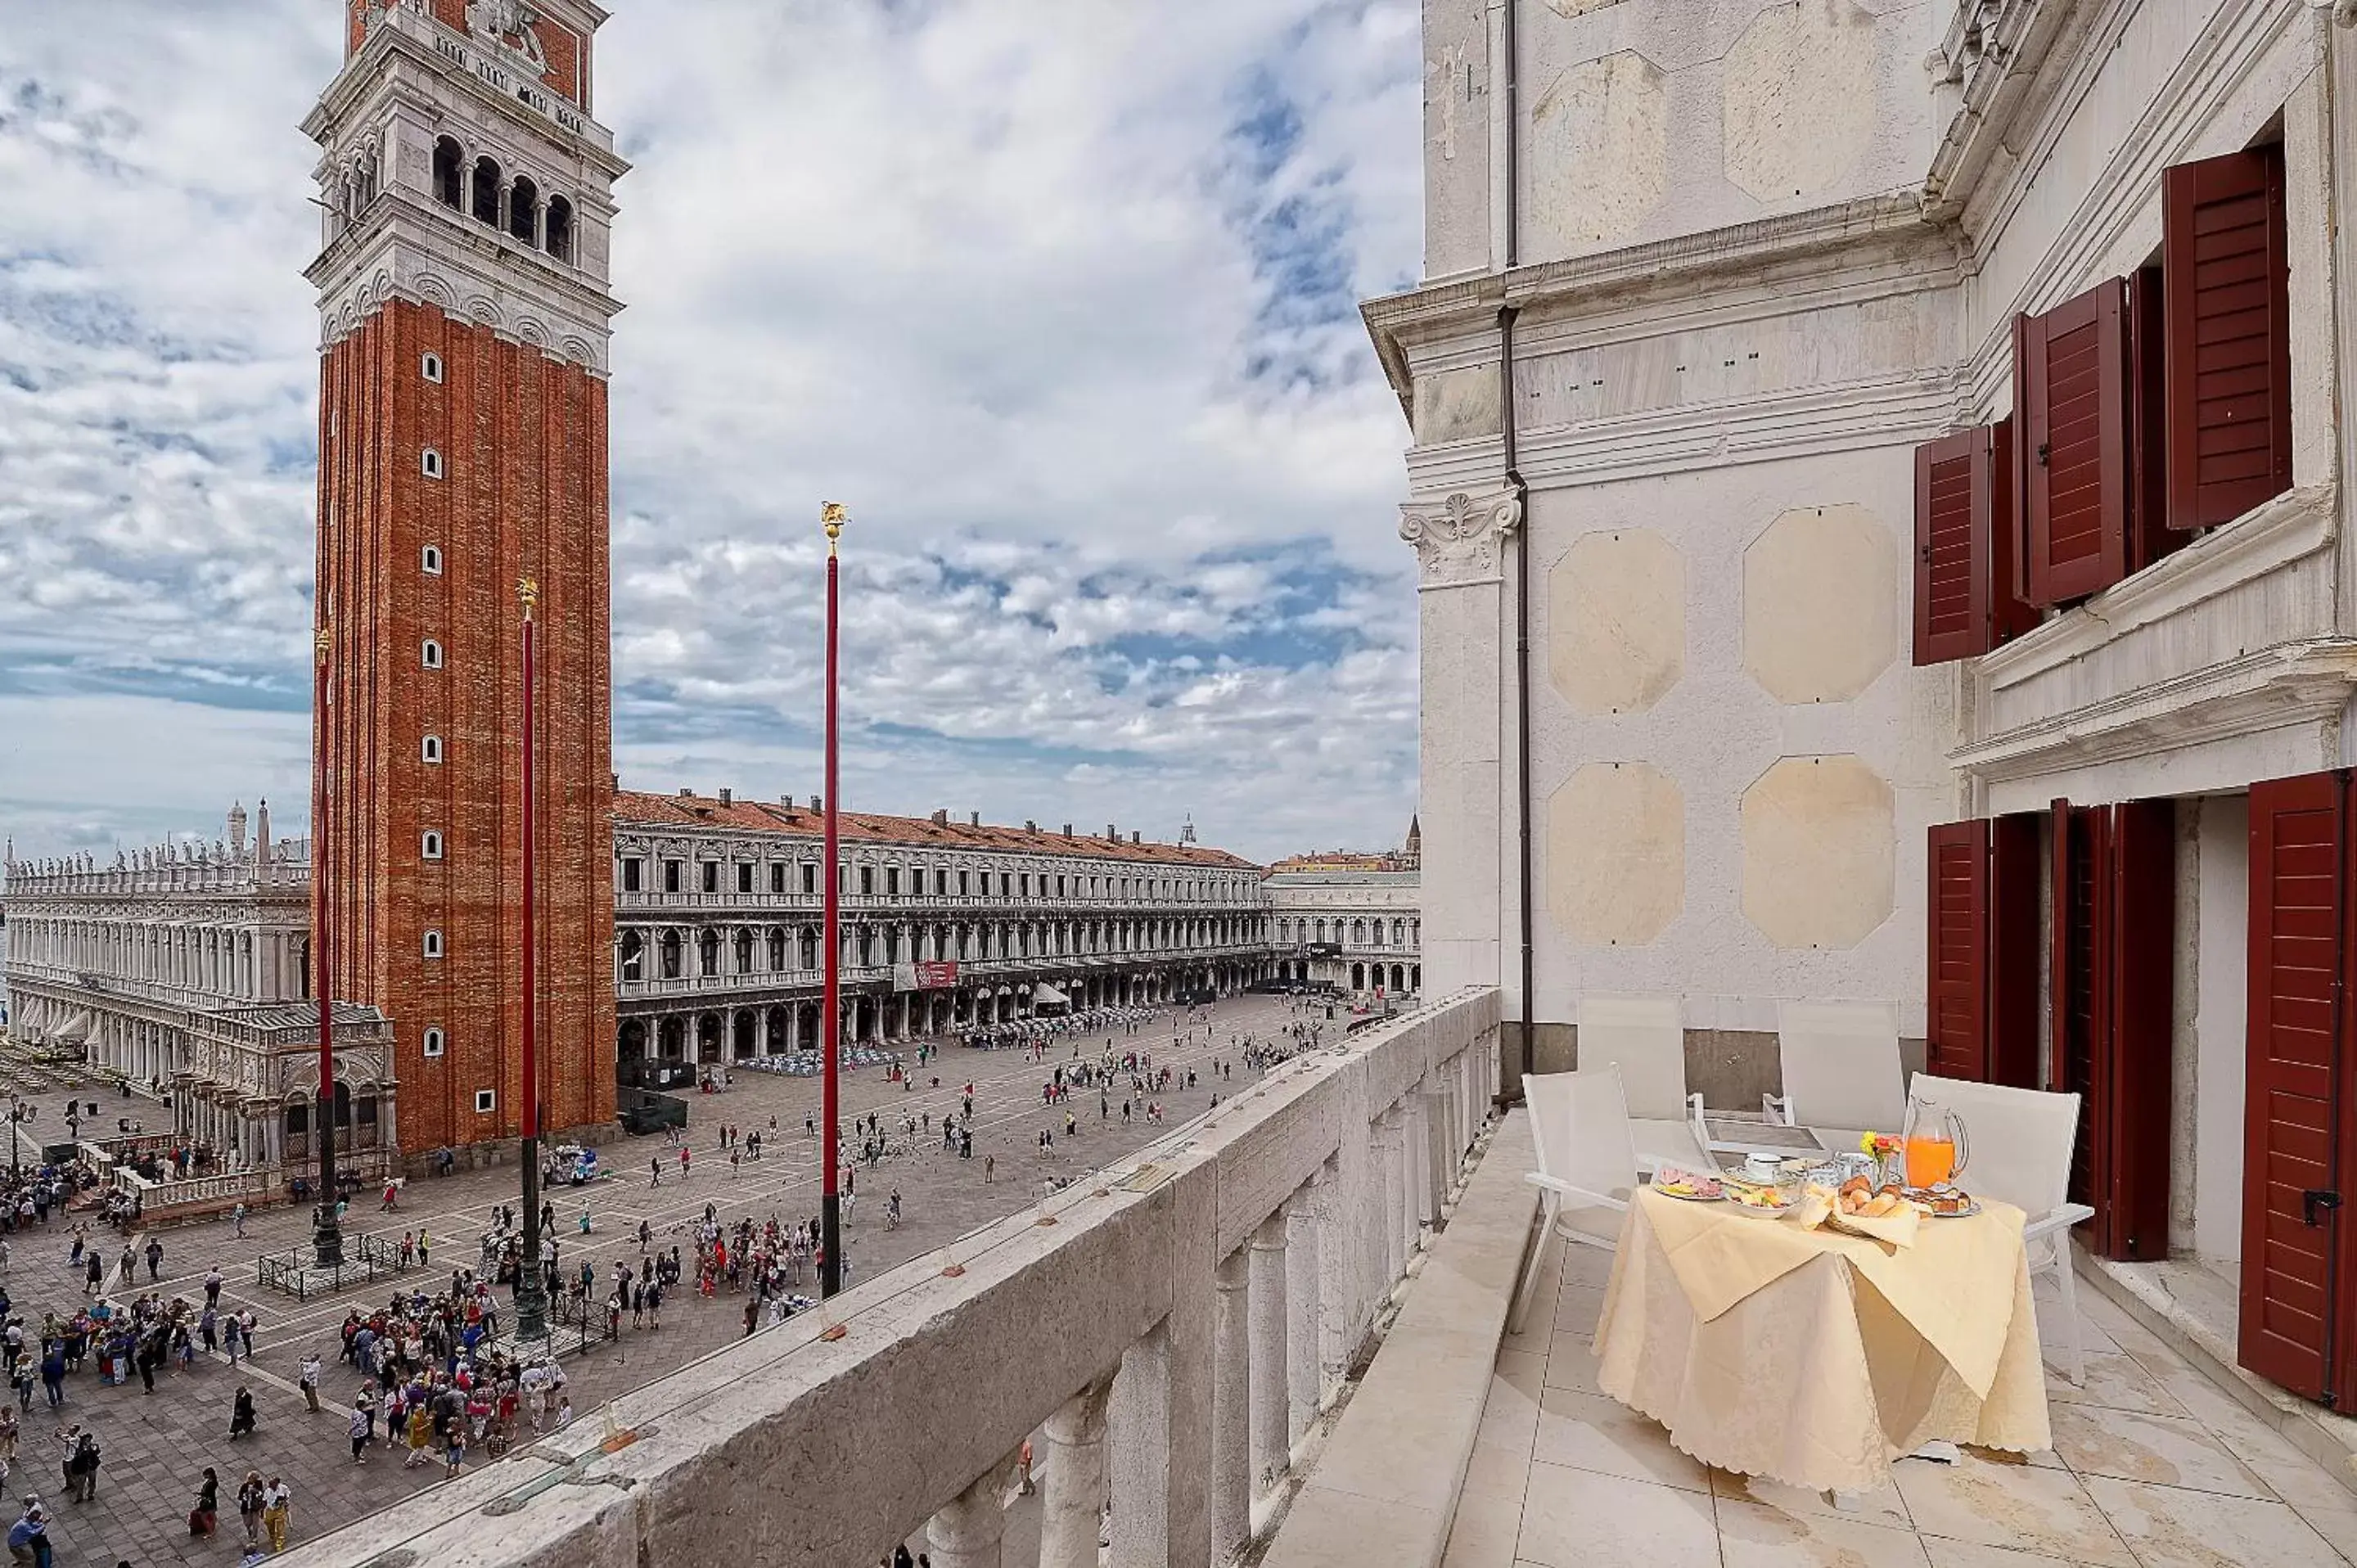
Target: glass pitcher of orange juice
{"points": [[1934, 1144]]}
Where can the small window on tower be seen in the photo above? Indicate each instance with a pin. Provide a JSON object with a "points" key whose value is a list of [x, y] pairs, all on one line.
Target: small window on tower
{"points": [[433, 944], [431, 748], [559, 243], [432, 653], [430, 366], [433, 1042], [484, 1099], [430, 846], [431, 461], [430, 559]]}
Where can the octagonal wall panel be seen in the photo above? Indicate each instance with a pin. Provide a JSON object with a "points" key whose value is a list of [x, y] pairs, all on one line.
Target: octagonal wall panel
{"points": [[1798, 98], [1821, 604], [1820, 852], [1617, 621], [1599, 151], [1616, 854]]}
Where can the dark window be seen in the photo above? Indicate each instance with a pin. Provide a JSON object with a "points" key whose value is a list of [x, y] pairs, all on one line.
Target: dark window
{"points": [[672, 874], [711, 876], [631, 874], [810, 877], [523, 208], [867, 882], [2228, 329], [449, 173], [777, 876], [487, 191], [892, 881], [744, 876], [560, 228]]}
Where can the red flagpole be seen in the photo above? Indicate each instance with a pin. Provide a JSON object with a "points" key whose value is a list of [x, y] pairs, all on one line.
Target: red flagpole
{"points": [[530, 1298], [831, 1012], [327, 1235]]}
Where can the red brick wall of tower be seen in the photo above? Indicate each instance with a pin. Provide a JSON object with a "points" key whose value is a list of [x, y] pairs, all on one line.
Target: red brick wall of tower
{"points": [[522, 440]]}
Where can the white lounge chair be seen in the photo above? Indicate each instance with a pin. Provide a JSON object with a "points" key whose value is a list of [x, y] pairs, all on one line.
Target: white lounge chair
{"points": [[1587, 1165], [1842, 1072], [1645, 1038], [2020, 1146]]}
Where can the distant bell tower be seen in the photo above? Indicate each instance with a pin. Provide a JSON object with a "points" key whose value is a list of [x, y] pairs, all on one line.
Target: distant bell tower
{"points": [[465, 318]]}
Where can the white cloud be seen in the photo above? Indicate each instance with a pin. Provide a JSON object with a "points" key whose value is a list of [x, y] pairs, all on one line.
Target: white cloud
{"points": [[1054, 293]]}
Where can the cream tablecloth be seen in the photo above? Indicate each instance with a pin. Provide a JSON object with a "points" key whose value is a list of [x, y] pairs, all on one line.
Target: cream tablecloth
{"points": [[1816, 1358]]}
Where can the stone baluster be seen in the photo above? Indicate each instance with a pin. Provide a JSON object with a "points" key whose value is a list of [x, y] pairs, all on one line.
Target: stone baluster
{"points": [[1231, 1391], [966, 1530], [1074, 1492], [1436, 1160], [1338, 1321], [1392, 1171], [1303, 1282], [1272, 1448]]}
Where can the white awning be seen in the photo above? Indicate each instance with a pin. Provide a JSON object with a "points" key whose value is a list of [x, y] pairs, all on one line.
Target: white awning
{"points": [[1046, 992]]}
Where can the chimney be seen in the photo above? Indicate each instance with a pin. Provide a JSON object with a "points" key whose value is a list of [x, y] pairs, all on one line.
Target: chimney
{"points": [[727, 797], [1068, 829], [686, 794], [818, 802], [941, 818], [1112, 832], [974, 819], [1136, 837], [1029, 826], [616, 780]]}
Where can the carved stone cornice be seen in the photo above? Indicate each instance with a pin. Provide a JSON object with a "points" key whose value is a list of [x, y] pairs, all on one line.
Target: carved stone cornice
{"points": [[1457, 542]]}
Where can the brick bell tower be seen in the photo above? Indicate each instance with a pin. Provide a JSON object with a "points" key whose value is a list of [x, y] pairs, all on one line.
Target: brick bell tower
{"points": [[464, 319]]}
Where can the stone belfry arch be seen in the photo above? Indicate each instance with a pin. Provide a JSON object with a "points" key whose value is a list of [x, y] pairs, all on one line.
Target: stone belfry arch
{"points": [[466, 193]]}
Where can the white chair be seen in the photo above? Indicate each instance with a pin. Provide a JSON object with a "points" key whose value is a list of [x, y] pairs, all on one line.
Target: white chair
{"points": [[1587, 1165], [1645, 1038], [2020, 1146], [1842, 1072]]}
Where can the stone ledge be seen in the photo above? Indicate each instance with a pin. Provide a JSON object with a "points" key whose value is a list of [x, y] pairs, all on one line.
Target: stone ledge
{"points": [[1385, 1489]]}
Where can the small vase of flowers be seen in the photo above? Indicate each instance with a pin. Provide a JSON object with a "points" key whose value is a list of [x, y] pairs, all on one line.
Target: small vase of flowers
{"points": [[1884, 1149]]}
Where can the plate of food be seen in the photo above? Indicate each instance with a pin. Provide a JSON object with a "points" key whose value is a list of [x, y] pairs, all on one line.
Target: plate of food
{"points": [[1758, 1201], [1688, 1186], [1945, 1202]]}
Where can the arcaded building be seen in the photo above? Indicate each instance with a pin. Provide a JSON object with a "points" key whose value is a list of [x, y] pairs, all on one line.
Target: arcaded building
{"points": [[948, 925], [1910, 443]]}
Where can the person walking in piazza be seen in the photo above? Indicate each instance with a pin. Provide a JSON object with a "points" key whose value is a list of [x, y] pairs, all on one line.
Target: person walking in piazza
{"points": [[277, 1512], [241, 1414], [307, 1379], [249, 1511], [154, 1260], [237, 1220]]}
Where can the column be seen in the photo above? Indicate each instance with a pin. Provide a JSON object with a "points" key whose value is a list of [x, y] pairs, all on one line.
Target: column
{"points": [[1139, 1422], [1231, 1390], [1435, 1100], [1391, 1150], [1272, 1447], [1074, 1492], [965, 1532], [760, 1031], [1304, 1272]]}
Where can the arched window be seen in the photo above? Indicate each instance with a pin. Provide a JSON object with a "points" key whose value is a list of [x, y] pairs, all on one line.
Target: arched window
{"points": [[810, 947], [430, 845], [449, 173], [434, 1043], [429, 463], [429, 560], [707, 953], [777, 947], [429, 365], [744, 951], [431, 654], [433, 944], [487, 191], [560, 228], [523, 210], [671, 955]]}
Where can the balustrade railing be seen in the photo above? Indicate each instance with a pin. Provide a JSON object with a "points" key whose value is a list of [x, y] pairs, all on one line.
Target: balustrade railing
{"points": [[1168, 1333]]}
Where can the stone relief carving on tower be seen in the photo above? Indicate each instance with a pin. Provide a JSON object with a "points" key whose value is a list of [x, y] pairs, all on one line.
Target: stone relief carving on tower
{"points": [[508, 24], [1458, 541]]}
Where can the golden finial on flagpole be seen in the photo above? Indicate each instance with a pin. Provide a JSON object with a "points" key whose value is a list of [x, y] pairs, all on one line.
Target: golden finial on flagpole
{"points": [[529, 592], [833, 516]]}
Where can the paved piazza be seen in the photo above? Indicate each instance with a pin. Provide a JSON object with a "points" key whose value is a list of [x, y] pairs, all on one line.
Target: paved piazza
{"points": [[156, 1447]]}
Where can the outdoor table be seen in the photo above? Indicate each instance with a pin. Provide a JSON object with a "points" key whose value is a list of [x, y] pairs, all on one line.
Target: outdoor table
{"points": [[1815, 1358]]}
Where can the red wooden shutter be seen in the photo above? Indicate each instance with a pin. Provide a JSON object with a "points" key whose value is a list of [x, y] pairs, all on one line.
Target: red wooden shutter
{"points": [[2069, 386], [1966, 600], [1946, 626], [2076, 996], [2132, 1077], [2013, 906], [1958, 1020], [2298, 910], [2149, 534], [2229, 335]]}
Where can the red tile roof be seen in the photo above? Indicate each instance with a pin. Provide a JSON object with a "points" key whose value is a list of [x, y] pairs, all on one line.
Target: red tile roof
{"points": [[642, 809]]}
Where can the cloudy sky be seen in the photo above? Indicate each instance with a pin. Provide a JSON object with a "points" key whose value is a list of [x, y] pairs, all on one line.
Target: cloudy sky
{"points": [[1059, 296]]}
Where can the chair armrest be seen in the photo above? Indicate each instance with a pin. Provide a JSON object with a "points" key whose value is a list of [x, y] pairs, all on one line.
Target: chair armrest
{"points": [[1558, 1184], [2059, 1218], [1778, 1108]]}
